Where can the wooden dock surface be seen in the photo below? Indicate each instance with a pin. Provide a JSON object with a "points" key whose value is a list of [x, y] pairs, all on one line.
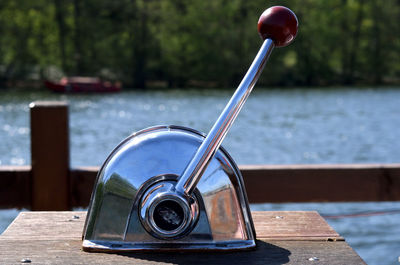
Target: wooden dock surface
{"points": [[283, 238]]}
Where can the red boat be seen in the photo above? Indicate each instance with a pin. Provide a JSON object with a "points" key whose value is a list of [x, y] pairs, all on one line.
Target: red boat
{"points": [[82, 84]]}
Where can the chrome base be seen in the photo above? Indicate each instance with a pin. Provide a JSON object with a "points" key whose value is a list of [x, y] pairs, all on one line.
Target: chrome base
{"points": [[105, 246], [145, 166]]}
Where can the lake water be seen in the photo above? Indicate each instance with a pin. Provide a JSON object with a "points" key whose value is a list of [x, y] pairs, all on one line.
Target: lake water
{"points": [[296, 126]]}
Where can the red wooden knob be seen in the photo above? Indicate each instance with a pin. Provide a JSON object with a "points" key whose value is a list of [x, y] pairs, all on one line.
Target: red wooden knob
{"points": [[279, 24]]}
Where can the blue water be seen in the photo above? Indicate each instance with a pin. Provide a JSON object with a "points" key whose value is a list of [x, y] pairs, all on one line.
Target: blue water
{"points": [[296, 126]]}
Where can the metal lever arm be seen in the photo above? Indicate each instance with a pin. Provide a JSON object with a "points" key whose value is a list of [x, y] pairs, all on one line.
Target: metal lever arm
{"points": [[278, 27], [191, 176]]}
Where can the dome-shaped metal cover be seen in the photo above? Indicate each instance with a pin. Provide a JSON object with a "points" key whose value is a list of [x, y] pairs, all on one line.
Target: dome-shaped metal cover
{"points": [[151, 159]]}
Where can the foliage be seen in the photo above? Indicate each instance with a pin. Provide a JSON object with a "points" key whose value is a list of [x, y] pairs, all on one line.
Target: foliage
{"points": [[197, 43]]}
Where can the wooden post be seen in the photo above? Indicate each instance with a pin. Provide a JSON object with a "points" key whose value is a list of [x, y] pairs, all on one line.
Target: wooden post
{"points": [[50, 156]]}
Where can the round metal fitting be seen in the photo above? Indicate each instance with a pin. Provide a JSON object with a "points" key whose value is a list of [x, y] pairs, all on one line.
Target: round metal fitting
{"points": [[165, 214]]}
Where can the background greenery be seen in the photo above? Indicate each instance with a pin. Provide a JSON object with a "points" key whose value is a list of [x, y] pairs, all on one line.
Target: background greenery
{"points": [[202, 43]]}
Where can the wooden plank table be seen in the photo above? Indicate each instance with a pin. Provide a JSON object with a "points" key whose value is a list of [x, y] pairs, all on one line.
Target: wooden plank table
{"points": [[283, 238]]}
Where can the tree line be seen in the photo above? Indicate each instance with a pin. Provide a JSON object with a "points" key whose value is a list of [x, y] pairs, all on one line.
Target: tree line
{"points": [[180, 43]]}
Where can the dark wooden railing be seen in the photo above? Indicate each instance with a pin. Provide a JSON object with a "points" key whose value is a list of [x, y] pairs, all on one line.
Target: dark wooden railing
{"points": [[49, 184]]}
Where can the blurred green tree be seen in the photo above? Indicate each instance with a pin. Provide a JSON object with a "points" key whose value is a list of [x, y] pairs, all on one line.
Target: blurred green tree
{"points": [[197, 43]]}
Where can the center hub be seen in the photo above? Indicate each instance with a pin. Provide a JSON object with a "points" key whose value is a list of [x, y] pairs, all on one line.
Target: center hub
{"points": [[166, 214]]}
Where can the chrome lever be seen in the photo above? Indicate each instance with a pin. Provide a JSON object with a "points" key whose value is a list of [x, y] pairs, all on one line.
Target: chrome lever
{"points": [[278, 27], [193, 172], [148, 194]]}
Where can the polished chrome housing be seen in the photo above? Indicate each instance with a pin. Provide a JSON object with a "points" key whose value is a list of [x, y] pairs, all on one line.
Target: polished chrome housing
{"points": [[171, 188], [120, 216]]}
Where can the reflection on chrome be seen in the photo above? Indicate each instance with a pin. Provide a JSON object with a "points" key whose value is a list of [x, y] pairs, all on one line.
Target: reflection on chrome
{"points": [[216, 218], [182, 190]]}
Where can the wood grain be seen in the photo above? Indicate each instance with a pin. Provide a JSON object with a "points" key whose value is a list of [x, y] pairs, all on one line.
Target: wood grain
{"points": [[293, 225], [289, 225], [69, 251], [46, 225], [50, 155], [334, 183], [294, 183], [15, 186], [55, 238], [264, 183]]}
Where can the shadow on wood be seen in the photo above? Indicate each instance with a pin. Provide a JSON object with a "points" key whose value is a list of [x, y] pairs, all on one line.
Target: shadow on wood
{"points": [[265, 253]]}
